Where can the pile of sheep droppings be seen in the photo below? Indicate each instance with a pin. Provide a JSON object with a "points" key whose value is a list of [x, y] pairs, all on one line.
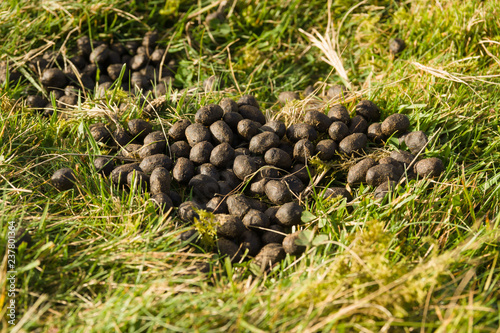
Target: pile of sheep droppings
{"points": [[136, 67], [250, 173]]}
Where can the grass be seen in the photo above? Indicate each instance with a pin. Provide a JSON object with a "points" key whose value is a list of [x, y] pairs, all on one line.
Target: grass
{"points": [[423, 260]]}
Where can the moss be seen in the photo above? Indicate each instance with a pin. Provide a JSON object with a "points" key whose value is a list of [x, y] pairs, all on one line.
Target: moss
{"points": [[206, 226], [364, 275]]}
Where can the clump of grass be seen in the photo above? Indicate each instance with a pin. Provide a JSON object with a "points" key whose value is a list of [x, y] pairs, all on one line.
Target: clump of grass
{"points": [[328, 44]]}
